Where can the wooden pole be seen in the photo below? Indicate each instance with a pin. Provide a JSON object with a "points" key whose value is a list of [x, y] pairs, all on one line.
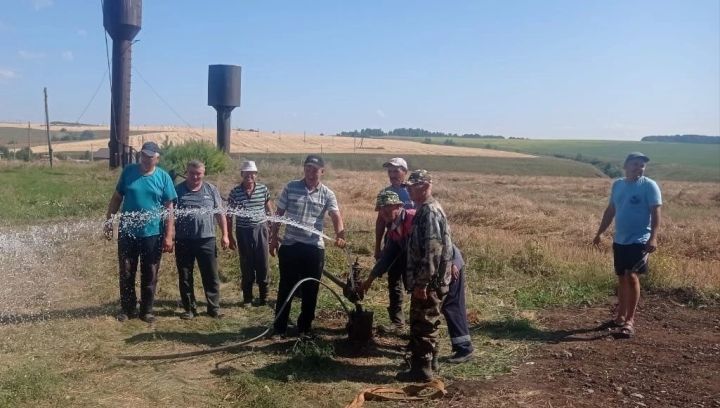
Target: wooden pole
{"points": [[47, 128]]}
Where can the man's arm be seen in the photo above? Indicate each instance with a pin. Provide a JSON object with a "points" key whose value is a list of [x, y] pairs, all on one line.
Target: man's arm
{"points": [[274, 231], [379, 232], [431, 249], [339, 227], [222, 222], [268, 207], [607, 219], [169, 237], [229, 225], [655, 221], [113, 207]]}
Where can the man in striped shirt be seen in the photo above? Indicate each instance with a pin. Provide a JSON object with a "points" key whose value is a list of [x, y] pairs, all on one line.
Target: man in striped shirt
{"points": [[302, 254], [250, 202]]}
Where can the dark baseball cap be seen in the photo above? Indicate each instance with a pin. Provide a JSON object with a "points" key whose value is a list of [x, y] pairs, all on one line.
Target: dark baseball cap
{"points": [[637, 155], [314, 160], [150, 149]]}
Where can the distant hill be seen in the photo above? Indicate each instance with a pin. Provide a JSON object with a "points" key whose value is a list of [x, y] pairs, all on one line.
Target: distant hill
{"points": [[683, 139]]}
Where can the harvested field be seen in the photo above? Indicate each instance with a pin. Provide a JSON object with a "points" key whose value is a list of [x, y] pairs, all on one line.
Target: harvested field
{"points": [[274, 142]]}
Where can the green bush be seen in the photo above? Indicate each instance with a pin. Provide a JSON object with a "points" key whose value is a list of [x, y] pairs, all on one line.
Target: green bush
{"points": [[24, 154], [174, 158]]}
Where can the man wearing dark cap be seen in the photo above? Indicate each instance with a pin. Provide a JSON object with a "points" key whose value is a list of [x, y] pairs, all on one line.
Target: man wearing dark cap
{"points": [[302, 253], [146, 229], [635, 202], [429, 263]]}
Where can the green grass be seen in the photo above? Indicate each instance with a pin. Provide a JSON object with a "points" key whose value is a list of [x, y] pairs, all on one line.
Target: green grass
{"points": [[669, 161], [31, 381], [29, 193], [18, 136], [542, 166]]}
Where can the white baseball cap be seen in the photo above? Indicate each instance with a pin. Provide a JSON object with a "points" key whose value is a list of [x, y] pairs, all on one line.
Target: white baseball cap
{"points": [[248, 166], [397, 162]]}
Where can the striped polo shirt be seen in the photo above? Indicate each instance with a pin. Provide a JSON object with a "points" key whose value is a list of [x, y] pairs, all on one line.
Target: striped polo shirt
{"points": [[251, 207], [306, 207]]}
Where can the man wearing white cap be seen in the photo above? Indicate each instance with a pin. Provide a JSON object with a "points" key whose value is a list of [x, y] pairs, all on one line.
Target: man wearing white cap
{"points": [[397, 169], [250, 202]]}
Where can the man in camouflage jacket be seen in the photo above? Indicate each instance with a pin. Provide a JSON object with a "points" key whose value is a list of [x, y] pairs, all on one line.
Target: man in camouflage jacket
{"points": [[429, 261]]}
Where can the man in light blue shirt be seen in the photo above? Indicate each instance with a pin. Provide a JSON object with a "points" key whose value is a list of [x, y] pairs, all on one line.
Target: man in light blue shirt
{"points": [[635, 202]]}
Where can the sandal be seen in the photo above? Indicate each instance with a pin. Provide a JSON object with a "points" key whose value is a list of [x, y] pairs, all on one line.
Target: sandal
{"points": [[627, 331], [610, 324]]}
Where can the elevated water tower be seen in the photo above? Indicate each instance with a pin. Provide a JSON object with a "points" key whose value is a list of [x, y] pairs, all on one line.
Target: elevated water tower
{"points": [[122, 20], [224, 96]]}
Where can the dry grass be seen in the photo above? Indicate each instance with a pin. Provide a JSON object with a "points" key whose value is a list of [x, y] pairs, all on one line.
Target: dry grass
{"points": [[281, 142], [526, 240]]}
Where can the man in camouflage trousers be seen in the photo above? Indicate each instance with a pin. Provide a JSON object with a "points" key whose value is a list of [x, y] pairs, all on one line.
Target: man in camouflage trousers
{"points": [[429, 261]]}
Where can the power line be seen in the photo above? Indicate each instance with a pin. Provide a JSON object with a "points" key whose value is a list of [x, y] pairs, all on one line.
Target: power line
{"points": [[92, 99], [157, 94]]}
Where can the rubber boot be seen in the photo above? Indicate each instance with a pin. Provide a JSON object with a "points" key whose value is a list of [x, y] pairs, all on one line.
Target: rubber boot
{"points": [[263, 292], [420, 371], [397, 318]]}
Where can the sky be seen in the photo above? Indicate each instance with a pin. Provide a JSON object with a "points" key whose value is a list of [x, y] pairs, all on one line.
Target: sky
{"points": [[613, 69]]}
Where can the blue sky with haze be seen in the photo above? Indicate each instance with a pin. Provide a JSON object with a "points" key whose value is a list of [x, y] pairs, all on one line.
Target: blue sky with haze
{"points": [[539, 69]]}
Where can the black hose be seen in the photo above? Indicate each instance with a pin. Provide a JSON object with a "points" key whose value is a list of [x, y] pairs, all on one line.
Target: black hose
{"points": [[233, 346]]}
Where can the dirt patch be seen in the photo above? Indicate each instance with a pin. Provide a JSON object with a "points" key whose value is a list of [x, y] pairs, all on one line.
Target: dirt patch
{"points": [[673, 361]]}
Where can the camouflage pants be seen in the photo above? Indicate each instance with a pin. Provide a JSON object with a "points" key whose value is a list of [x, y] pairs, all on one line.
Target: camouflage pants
{"points": [[424, 323]]}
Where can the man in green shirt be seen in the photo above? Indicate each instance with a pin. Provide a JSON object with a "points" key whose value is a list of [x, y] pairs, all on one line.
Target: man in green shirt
{"points": [[146, 229]]}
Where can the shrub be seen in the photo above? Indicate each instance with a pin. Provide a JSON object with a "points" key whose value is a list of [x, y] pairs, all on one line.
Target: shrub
{"points": [[24, 154], [174, 158]]}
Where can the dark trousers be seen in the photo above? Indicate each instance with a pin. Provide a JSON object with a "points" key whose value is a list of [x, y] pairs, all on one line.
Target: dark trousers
{"points": [[393, 259], [298, 261], [149, 250], [253, 249], [453, 308], [187, 251]]}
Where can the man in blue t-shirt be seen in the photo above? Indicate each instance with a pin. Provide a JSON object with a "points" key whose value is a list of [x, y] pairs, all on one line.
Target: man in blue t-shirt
{"points": [[635, 202], [146, 229]]}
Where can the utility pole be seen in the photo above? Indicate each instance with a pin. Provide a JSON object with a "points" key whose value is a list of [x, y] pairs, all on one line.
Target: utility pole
{"points": [[47, 128], [28, 146]]}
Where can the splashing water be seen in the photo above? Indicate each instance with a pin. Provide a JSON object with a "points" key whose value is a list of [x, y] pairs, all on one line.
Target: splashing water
{"points": [[132, 221], [32, 271], [38, 261]]}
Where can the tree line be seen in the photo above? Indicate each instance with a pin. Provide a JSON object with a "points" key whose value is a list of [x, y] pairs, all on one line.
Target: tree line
{"points": [[702, 139], [413, 132]]}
